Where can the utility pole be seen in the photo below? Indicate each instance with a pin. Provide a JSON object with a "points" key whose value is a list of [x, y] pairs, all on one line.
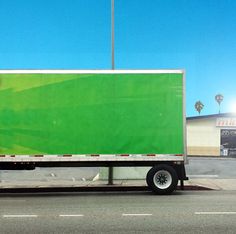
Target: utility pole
{"points": [[110, 169], [112, 35]]}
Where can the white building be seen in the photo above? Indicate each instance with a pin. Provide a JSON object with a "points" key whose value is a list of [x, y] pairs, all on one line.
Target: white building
{"points": [[212, 135]]}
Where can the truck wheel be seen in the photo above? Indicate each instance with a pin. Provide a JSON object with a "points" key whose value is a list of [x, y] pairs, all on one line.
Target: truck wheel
{"points": [[162, 179], [147, 178]]}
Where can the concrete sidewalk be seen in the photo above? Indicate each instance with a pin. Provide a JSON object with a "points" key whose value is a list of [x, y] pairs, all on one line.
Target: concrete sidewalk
{"points": [[214, 184]]}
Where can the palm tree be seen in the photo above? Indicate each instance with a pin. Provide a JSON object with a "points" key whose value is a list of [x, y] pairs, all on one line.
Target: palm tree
{"points": [[199, 106], [219, 98]]}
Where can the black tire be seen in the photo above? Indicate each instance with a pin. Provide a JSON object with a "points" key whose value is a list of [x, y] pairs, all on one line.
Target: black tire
{"points": [[147, 178], [162, 179]]}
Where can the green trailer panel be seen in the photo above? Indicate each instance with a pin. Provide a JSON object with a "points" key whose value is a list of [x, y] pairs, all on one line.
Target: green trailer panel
{"points": [[91, 113]]}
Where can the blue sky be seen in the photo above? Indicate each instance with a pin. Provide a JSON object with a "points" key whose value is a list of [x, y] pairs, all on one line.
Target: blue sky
{"points": [[196, 35]]}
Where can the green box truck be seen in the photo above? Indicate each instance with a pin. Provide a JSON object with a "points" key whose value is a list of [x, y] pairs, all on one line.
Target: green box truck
{"points": [[107, 118]]}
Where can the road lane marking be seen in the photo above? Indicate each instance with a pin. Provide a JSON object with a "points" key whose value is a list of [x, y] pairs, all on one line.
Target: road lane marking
{"points": [[20, 216], [71, 215], [136, 214], [216, 213]]}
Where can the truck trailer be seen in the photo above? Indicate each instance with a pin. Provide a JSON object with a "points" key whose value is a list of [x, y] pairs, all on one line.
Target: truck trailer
{"points": [[95, 118]]}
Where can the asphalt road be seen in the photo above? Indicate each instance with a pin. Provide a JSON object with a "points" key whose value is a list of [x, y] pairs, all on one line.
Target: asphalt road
{"points": [[221, 167], [182, 212]]}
